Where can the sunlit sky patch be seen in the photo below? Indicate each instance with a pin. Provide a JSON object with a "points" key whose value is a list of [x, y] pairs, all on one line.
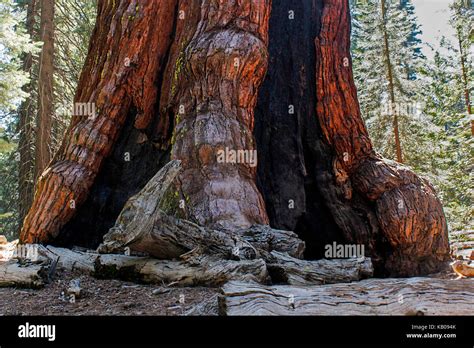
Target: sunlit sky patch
{"points": [[433, 15]]}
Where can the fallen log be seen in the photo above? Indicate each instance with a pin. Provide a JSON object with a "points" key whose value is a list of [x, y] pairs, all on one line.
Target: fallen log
{"points": [[7, 250], [68, 259], [208, 271], [265, 238], [15, 274], [196, 270], [285, 269], [410, 296]]}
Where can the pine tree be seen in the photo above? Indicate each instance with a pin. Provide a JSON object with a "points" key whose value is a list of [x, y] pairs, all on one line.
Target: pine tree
{"points": [[461, 21], [450, 164], [13, 43], [386, 56], [74, 22]]}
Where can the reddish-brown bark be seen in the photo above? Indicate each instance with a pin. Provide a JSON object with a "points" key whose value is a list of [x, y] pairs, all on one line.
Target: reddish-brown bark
{"points": [[221, 59], [128, 61], [44, 120], [409, 214], [122, 67]]}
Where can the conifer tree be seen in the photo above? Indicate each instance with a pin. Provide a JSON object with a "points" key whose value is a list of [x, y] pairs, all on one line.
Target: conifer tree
{"points": [[387, 53]]}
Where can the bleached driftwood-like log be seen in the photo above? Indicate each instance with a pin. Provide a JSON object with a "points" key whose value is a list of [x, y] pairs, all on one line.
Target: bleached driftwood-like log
{"points": [[136, 220], [12, 273], [7, 249], [209, 271], [68, 259], [196, 270], [171, 237], [144, 227], [23, 274], [288, 270], [401, 296]]}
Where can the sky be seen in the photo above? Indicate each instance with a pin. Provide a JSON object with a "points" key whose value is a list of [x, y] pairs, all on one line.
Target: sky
{"points": [[433, 15]]}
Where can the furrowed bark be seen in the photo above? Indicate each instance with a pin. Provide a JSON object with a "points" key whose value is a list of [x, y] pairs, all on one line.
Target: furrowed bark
{"points": [[296, 163], [127, 116], [322, 152], [45, 89], [196, 78], [143, 226], [120, 78], [221, 62], [409, 214]]}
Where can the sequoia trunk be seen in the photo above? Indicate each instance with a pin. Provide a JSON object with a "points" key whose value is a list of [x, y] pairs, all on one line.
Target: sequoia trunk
{"points": [[188, 91]]}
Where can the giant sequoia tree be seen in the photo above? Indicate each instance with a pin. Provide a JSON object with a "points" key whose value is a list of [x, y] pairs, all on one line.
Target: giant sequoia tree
{"points": [[190, 80]]}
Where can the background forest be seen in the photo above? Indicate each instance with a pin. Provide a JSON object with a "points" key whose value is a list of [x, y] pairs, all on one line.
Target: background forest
{"points": [[417, 107]]}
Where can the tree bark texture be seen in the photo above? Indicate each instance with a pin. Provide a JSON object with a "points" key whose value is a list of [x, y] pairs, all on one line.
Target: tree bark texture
{"points": [[45, 89], [122, 77], [222, 61], [189, 91], [341, 189]]}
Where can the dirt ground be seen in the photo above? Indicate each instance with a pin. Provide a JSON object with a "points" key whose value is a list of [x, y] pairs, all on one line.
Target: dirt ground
{"points": [[107, 297]]}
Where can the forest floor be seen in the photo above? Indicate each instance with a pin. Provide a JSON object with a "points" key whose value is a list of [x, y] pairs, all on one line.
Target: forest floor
{"points": [[107, 297]]}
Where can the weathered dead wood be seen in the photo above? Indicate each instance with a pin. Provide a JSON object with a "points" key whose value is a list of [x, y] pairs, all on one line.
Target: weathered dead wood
{"points": [[143, 226], [13, 273], [411, 296], [265, 238], [197, 270], [7, 249], [288, 270], [206, 270], [68, 259]]}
